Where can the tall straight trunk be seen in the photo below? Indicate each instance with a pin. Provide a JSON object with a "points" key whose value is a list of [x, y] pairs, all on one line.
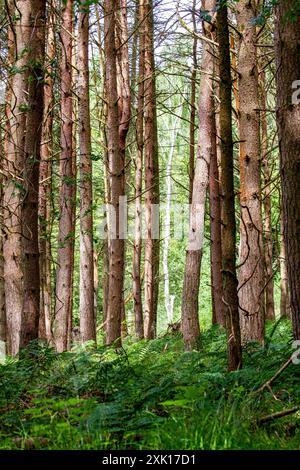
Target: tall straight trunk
{"points": [[251, 272], [2, 292], [288, 123], [124, 107], [64, 274], [116, 172], [151, 180], [137, 245], [215, 232], [21, 260], [190, 320], [193, 106], [285, 310], [268, 242], [230, 282], [45, 188], [86, 288]]}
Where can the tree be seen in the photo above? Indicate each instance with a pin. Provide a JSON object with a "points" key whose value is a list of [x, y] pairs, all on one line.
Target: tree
{"points": [[65, 252], [87, 314], [267, 202], [116, 173], [137, 246], [251, 270], [230, 282], [45, 185], [21, 260], [190, 320], [151, 179], [288, 108]]}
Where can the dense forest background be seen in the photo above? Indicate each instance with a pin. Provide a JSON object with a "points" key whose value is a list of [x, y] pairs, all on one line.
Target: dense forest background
{"points": [[150, 224]]}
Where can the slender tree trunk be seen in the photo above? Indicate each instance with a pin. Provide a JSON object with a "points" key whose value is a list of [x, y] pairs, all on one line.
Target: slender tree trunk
{"points": [[190, 321], [116, 172], [268, 244], [2, 292], [193, 106], [251, 272], [288, 122], [45, 189], [137, 246], [230, 282], [285, 310], [215, 232], [124, 106], [86, 305], [151, 180], [64, 275]]}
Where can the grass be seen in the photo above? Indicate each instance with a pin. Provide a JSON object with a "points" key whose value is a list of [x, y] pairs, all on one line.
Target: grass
{"points": [[150, 395]]}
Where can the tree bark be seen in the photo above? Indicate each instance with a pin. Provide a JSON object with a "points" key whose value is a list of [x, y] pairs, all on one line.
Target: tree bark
{"points": [[86, 287], [285, 310], [215, 232], [45, 189], [230, 282], [268, 242], [190, 321], [151, 180], [65, 255], [137, 245], [251, 272], [288, 122], [21, 261], [116, 173], [193, 106]]}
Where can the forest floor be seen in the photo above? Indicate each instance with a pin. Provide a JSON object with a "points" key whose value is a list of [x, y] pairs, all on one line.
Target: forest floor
{"points": [[151, 395]]}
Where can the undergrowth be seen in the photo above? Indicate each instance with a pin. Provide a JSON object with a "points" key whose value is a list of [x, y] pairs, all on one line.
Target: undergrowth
{"points": [[150, 395]]}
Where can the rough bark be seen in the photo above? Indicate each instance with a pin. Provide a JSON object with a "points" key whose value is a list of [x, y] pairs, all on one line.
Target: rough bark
{"points": [[288, 122], [21, 261], [124, 108], [251, 272], [45, 188], [190, 321], [215, 232], [86, 299], [116, 173], [230, 282], [137, 245], [193, 106], [64, 274]]}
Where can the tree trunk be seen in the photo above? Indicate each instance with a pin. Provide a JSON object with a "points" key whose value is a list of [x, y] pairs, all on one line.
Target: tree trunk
{"points": [[45, 190], [190, 321], [64, 275], [21, 260], [124, 107], [151, 180], [137, 245], [193, 106], [285, 310], [116, 172], [215, 232], [268, 242], [251, 272], [230, 282], [288, 122], [86, 301]]}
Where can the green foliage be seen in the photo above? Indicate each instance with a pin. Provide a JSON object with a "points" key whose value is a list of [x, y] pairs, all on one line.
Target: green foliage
{"points": [[149, 395]]}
